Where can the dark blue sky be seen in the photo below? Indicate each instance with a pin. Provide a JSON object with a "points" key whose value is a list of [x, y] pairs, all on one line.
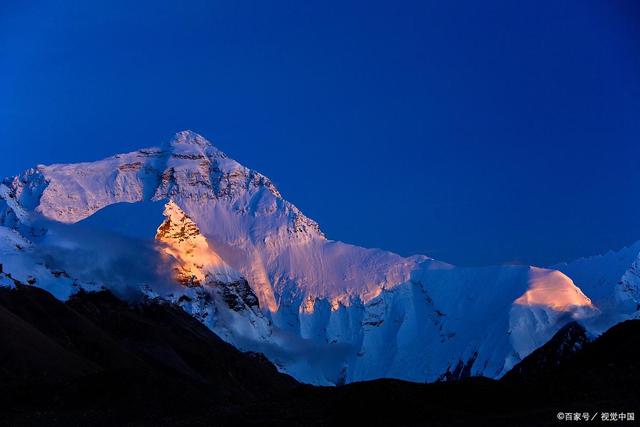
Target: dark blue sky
{"points": [[475, 132]]}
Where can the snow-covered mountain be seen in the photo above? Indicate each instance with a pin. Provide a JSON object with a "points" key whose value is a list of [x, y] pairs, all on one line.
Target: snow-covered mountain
{"points": [[183, 222], [612, 281]]}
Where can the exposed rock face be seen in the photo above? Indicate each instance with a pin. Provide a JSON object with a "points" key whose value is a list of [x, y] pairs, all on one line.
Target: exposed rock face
{"points": [[215, 288], [238, 295], [194, 261]]}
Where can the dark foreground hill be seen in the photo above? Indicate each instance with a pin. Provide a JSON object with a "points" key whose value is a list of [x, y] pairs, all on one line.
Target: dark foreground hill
{"points": [[96, 360]]}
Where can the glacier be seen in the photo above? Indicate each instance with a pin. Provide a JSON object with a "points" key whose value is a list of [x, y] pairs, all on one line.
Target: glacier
{"points": [[183, 222]]}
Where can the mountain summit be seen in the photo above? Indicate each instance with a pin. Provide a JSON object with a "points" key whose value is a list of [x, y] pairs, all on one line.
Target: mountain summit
{"points": [[218, 239], [191, 138]]}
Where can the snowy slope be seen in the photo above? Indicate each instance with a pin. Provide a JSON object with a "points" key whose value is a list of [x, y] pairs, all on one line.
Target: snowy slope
{"points": [[219, 239], [22, 264], [448, 322], [612, 281]]}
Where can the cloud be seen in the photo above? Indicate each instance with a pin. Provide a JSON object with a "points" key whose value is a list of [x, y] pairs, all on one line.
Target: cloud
{"points": [[121, 264], [325, 362]]}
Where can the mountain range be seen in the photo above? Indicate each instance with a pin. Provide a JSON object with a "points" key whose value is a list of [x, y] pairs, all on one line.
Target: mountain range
{"points": [[181, 223]]}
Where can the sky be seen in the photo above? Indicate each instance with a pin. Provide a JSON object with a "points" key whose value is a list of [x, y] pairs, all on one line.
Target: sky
{"points": [[474, 132]]}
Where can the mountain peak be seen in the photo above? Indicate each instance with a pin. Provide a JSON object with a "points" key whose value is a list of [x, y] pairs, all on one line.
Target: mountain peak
{"points": [[190, 137], [188, 141]]}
